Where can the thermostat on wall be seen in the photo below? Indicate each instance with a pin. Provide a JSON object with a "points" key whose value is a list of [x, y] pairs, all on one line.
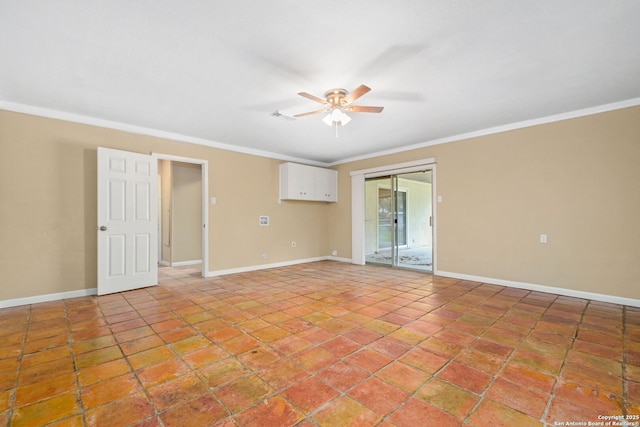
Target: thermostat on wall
{"points": [[264, 220]]}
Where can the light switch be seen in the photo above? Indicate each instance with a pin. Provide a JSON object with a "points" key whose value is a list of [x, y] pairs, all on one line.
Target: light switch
{"points": [[543, 238], [214, 201]]}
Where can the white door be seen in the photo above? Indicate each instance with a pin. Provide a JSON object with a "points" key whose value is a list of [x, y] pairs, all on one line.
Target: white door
{"points": [[127, 221]]}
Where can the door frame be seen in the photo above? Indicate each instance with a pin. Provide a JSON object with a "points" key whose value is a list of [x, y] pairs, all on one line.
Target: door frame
{"points": [[204, 165], [358, 203]]}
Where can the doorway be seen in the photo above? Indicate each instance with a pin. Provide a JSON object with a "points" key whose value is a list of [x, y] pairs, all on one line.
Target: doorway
{"points": [[182, 212], [399, 220], [129, 217], [180, 189]]}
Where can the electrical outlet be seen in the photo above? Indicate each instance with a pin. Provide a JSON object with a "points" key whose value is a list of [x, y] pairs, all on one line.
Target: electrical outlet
{"points": [[293, 244], [264, 256], [543, 238]]}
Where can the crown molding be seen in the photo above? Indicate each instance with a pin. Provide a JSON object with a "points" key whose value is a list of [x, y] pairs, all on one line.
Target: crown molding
{"points": [[140, 130], [498, 129], [76, 118]]}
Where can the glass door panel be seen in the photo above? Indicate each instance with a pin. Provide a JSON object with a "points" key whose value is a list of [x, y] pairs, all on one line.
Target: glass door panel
{"points": [[385, 218], [414, 248], [401, 217], [398, 223], [379, 218]]}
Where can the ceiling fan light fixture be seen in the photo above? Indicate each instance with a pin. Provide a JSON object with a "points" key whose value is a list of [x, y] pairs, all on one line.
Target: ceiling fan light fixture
{"points": [[338, 101], [336, 116]]}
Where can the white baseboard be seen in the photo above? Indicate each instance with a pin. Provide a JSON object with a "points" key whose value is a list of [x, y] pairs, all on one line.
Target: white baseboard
{"points": [[543, 288], [274, 265], [181, 263], [493, 281], [47, 298], [94, 291], [264, 266], [339, 259]]}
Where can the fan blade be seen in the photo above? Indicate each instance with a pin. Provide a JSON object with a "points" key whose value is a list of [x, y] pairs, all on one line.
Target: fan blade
{"points": [[310, 113], [313, 97], [355, 94], [364, 109]]}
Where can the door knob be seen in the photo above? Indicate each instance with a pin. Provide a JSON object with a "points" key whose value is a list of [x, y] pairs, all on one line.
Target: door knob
{"points": [[102, 228]]}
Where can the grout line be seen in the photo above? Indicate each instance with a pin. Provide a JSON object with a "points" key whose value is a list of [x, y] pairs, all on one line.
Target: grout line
{"points": [[283, 283], [14, 390], [75, 368]]}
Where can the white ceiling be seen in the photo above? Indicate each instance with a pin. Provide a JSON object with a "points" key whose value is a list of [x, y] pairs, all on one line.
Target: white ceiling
{"points": [[215, 71]]}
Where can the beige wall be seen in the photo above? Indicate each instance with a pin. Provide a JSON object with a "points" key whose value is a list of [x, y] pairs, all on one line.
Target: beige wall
{"points": [[48, 214], [577, 180]]}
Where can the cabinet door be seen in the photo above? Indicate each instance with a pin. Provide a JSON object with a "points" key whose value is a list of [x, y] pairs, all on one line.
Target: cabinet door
{"points": [[326, 188], [296, 182]]}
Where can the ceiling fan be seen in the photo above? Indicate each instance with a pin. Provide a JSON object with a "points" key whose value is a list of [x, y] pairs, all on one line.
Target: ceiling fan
{"points": [[337, 102]]}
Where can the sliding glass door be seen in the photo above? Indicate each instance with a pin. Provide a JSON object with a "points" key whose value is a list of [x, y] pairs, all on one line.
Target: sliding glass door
{"points": [[398, 220], [379, 220]]}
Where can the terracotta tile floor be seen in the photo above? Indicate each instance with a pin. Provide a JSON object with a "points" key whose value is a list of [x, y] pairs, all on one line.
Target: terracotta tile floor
{"points": [[321, 344]]}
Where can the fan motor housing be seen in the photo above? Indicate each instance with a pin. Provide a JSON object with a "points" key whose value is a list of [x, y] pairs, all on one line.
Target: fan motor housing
{"points": [[335, 97]]}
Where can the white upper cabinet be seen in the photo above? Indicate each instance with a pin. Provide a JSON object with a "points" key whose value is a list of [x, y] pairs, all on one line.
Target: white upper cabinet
{"points": [[302, 182], [326, 183], [296, 182]]}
